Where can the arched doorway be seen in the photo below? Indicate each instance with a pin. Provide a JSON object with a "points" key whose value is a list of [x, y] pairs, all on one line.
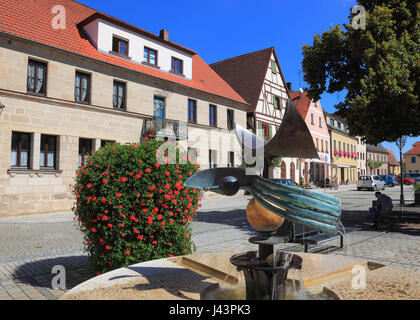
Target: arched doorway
{"points": [[283, 170], [292, 171]]}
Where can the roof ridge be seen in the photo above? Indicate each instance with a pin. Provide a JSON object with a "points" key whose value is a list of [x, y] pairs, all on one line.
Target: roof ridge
{"points": [[242, 55]]}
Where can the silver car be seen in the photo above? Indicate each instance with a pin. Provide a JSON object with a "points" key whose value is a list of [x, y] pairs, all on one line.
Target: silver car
{"points": [[371, 182]]}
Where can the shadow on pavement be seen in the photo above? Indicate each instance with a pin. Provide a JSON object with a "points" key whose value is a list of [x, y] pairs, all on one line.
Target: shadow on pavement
{"points": [[235, 218], [39, 273]]}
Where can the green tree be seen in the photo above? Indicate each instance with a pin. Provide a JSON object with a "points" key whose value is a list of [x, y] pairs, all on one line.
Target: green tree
{"points": [[377, 66], [374, 164]]}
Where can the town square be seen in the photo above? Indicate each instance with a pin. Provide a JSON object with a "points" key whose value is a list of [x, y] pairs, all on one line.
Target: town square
{"points": [[159, 160]]}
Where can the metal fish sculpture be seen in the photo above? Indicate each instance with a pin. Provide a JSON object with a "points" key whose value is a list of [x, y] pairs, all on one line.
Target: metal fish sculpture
{"points": [[293, 139]]}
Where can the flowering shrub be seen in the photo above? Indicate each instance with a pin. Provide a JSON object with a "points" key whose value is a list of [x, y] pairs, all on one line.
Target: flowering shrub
{"points": [[133, 209]]}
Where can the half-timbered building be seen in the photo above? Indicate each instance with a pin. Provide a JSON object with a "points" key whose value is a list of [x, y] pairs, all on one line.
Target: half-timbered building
{"points": [[258, 78]]}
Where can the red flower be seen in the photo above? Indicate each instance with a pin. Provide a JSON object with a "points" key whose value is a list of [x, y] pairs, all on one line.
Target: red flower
{"points": [[105, 218], [154, 241], [171, 221], [127, 252], [140, 237], [138, 195], [123, 179], [148, 170], [149, 195], [167, 173], [118, 195], [138, 176], [105, 181], [93, 230], [78, 195], [107, 247], [159, 217], [167, 197], [157, 164], [152, 188], [136, 231], [109, 225], [167, 186], [122, 225], [171, 255], [89, 185]]}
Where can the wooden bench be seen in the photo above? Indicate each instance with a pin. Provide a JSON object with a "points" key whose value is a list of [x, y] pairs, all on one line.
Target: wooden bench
{"points": [[398, 217]]}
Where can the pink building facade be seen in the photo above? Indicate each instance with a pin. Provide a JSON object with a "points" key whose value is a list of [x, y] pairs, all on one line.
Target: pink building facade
{"points": [[314, 171]]}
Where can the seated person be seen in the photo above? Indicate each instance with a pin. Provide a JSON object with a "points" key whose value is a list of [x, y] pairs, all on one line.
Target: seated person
{"points": [[383, 205]]}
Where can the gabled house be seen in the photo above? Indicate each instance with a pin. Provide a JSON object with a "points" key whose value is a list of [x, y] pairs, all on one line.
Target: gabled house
{"points": [[393, 164], [258, 79], [377, 159], [412, 157], [69, 86], [314, 170]]}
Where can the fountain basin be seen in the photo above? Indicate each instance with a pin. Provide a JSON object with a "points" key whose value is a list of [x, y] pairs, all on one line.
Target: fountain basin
{"points": [[188, 277]]}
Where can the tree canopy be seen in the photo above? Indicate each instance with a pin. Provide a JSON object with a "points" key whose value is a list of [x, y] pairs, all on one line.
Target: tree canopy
{"points": [[378, 67]]}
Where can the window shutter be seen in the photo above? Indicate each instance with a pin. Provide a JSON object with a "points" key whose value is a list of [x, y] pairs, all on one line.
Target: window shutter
{"points": [[273, 67], [270, 131], [260, 130], [274, 101], [281, 104]]}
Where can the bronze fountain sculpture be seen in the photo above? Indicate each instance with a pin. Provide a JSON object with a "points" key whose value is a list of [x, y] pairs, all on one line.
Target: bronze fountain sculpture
{"points": [[266, 270]]}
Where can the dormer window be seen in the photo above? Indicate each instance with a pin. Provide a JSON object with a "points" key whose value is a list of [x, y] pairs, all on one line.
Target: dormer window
{"points": [[120, 45], [150, 56], [177, 66]]}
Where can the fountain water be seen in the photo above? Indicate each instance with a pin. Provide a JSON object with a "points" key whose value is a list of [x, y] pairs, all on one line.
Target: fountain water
{"points": [[266, 270]]}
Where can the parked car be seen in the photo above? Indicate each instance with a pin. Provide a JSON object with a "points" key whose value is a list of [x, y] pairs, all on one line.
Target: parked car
{"points": [[288, 182], [371, 182], [389, 180], [406, 181], [413, 175]]}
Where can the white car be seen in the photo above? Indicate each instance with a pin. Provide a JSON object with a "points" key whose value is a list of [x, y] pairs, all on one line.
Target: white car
{"points": [[371, 182]]}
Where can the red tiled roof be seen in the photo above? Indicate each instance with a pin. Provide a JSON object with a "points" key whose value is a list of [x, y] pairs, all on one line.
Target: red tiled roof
{"points": [[302, 104], [246, 73], [391, 158], [415, 150], [31, 19]]}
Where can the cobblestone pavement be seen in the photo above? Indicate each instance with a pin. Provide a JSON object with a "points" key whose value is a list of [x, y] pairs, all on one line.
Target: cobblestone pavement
{"points": [[31, 245]]}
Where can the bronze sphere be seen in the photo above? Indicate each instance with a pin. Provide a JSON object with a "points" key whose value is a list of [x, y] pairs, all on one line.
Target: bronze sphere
{"points": [[262, 219]]}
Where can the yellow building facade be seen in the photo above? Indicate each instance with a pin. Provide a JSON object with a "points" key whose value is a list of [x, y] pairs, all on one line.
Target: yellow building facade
{"points": [[343, 148]]}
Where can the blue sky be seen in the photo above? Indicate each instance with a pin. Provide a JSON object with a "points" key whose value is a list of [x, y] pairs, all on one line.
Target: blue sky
{"points": [[221, 29]]}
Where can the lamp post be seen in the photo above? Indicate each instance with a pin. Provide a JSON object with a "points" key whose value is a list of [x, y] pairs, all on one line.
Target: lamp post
{"points": [[400, 144]]}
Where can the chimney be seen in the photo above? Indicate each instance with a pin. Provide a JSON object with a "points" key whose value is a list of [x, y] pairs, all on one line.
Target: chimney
{"points": [[289, 86], [164, 34]]}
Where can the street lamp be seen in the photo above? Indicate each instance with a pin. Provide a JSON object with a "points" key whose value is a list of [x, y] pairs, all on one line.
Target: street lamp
{"points": [[400, 144]]}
